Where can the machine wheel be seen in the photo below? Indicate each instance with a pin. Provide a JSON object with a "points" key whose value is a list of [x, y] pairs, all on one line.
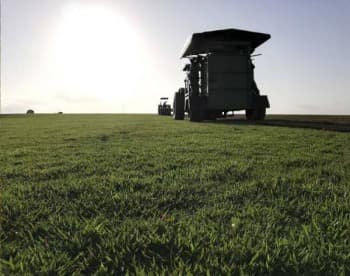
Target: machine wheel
{"points": [[210, 116], [261, 114], [257, 114], [179, 109], [195, 114]]}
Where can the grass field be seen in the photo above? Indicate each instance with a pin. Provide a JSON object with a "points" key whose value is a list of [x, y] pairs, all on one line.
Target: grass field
{"points": [[144, 194]]}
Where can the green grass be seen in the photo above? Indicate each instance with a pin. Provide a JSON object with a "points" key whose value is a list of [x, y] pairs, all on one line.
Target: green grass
{"points": [[122, 194]]}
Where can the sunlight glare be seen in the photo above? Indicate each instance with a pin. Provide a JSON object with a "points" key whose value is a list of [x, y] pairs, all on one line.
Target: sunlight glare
{"points": [[97, 52]]}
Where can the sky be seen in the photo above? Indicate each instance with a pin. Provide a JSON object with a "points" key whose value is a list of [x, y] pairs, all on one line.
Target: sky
{"points": [[115, 56]]}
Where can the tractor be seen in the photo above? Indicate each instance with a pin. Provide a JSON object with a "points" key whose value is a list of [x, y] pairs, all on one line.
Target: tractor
{"points": [[164, 108], [219, 77]]}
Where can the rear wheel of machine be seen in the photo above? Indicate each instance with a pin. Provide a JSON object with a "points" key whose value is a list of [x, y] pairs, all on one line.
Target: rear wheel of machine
{"points": [[261, 114], [179, 111], [195, 114], [211, 115], [257, 114]]}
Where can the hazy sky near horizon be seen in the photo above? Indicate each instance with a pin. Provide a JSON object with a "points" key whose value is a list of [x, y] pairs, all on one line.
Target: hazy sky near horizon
{"points": [[122, 56]]}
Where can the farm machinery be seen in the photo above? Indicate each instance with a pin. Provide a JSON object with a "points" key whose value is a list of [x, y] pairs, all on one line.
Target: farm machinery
{"points": [[219, 77], [164, 108]]}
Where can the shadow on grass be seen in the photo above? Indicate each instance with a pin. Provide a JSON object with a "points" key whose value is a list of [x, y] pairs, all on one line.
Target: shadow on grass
{"points": [[333, 123]]}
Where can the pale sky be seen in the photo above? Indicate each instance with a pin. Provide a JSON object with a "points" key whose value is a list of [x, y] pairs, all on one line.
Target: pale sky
{"points": [[115, 56]]}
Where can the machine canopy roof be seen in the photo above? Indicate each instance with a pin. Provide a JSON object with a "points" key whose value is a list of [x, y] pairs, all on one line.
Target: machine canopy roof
{"points": [[200, 43]]}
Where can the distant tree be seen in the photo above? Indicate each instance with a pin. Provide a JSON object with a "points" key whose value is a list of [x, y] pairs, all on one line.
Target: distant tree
{"points": [[30, 111], [60, 112]]}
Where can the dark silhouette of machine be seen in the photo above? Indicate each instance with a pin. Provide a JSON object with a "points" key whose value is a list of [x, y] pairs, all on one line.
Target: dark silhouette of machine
{"points": [[220, 76], [164, 108]]}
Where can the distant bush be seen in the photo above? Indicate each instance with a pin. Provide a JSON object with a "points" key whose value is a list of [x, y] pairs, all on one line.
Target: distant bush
{"points": [[60, 112], [30, 111]]}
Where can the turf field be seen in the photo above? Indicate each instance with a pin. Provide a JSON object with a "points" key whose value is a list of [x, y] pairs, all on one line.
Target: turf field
{"points": [[119, 194]]}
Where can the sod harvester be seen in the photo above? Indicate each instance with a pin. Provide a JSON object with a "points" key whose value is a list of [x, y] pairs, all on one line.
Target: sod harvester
{"points": [[220, 76], [164, 108]]}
